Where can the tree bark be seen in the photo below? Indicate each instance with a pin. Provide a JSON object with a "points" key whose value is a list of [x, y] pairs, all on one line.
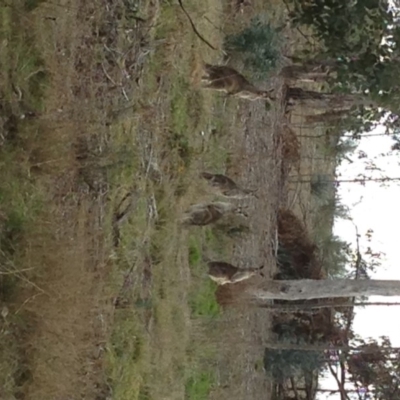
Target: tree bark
{"points": [[290, 308], [330, 347], [320, 289], [338, 181], [327, 117], [321, 100], [304, 73]]}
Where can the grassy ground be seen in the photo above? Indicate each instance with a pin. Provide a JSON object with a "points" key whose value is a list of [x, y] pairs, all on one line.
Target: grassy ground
{"points": [[96, 170], [103, 133]]}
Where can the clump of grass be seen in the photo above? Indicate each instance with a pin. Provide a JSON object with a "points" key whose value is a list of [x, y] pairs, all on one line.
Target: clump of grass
{"points": [[198, 385], [126, 356], [203, 302], [14, 371], [24, 71], [30, 5], [194, 252]]}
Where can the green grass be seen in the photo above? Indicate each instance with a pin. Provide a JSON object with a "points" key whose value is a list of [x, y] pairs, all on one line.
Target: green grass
{"points": [[157, 360], [126, 357], [23, 80], [194, 252], [151, 350], [198, 385], [22, 67], [203, 303]]}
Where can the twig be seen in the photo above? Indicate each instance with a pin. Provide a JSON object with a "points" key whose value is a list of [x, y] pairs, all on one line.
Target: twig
{"points": [[26, 302], [15, 272], [124, 93], [296, 27], [195, 29], [108, 76]]}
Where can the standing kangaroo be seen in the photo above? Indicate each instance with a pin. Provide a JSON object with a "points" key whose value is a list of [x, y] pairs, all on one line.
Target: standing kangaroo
{"points": [[226, 186], [205, 214], [223, 273], [228, 80]]}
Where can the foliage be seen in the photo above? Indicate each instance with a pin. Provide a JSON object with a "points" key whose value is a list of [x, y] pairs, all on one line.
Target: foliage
{"points": [[336, 208], [258, 45], [199, 385], [335, 255], [344, 147], [321, 186], [360, 42], [376, 366], [284, 364], [296, 253]]}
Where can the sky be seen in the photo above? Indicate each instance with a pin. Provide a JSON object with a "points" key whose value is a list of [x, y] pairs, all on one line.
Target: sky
{"points": [[373, 207]]}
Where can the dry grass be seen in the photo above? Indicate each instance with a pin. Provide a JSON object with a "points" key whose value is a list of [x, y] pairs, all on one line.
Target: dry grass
{"points": [[107, 291], [105, 305]]}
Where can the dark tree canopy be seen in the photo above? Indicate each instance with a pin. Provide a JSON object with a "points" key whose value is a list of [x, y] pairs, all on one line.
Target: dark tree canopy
{"points": [[361, 42]]}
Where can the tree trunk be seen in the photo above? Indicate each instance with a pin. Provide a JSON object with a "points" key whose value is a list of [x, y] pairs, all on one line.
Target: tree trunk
{"points": [[320, 100], [339, 181], [291, 308], [304, 73], [320, 289], [313, 63], [328, 116], [328, 346]]}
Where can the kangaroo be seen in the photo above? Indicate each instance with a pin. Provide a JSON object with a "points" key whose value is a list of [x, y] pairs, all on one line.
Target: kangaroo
{"points": [[228, 80], [205, 214], [226, 186], [223, 273]]}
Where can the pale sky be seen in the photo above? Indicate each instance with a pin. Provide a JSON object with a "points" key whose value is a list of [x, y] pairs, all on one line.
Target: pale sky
{"points": [[377, 208]]}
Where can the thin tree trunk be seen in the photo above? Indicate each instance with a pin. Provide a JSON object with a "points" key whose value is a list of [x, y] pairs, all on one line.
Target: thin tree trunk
{"points": [[320, 289], [342, 391], [326, 347], [320, 100], [330, 304], [328, 116], [305, 73], [356, 136], [359, 180]]}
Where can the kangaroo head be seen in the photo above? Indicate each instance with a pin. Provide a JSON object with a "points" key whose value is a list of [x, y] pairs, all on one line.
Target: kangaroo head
{"points": [[268, 94], [246, 274], [242, 211]]}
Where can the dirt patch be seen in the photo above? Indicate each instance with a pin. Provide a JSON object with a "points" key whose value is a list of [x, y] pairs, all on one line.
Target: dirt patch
{"points": [[69, 313]]}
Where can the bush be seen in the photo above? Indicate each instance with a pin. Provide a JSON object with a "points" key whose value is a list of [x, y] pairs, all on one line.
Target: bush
{"points": [[335, 255], [259, 46], [284, 364]]}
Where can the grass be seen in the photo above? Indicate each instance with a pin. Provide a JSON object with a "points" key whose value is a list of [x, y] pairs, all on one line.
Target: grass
{"points": [[98, 278], [199, 385], [158, 244], [23, 82]]}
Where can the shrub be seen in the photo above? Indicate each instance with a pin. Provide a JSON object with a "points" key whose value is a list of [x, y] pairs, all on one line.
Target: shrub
{"points": [[258, 44], [284, 364]]}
